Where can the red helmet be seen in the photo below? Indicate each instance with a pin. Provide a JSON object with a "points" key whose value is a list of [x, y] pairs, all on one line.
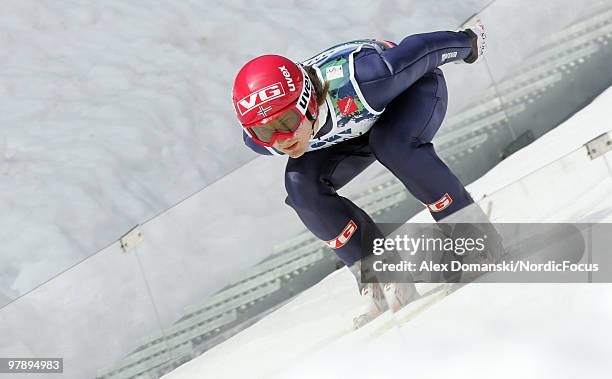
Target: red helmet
{"points": [[268, 88]]}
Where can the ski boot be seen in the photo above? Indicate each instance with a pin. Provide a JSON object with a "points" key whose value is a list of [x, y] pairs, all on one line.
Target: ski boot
{"points": [[373, 295], [377, 304], [399, 294]]}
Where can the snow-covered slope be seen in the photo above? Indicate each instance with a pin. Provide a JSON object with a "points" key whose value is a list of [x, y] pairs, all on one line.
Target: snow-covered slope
{"points": [[481, 331]]}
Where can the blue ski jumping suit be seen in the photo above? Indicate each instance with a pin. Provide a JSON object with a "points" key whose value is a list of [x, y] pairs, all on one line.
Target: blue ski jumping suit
{"points": [[400, 95]]}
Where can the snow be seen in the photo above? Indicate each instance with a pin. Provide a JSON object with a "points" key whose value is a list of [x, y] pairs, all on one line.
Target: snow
{"points": [[481, 331]]}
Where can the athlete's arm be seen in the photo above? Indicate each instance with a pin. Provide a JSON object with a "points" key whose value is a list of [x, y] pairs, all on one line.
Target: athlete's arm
{"points": [[383, 76]]}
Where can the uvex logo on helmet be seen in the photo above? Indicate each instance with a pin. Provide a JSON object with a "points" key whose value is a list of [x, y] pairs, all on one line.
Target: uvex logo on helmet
{"points": [[257, 98], [305, 95], [287, 76]]}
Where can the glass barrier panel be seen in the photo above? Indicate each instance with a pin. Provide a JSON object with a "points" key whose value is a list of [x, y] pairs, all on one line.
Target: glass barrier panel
{"points": [[93, 316], [545, 74]]}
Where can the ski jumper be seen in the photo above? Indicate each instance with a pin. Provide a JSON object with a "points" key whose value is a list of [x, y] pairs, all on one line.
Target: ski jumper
{"points": [[386, 102]]}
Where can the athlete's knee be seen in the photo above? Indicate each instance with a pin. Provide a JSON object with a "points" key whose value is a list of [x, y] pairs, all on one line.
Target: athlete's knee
{"points": [[441, 89], [391, 152]]}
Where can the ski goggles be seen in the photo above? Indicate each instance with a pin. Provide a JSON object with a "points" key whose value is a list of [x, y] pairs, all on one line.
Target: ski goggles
{"points": [[283, 126]]}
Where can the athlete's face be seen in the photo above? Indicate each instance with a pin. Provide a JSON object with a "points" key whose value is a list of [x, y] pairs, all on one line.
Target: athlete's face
{"points": [[296, 145]]}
